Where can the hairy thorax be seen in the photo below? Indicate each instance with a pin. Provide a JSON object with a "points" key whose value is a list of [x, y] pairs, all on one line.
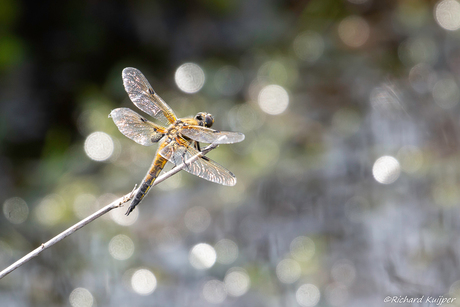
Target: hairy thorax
{"points": [[173, 130]]}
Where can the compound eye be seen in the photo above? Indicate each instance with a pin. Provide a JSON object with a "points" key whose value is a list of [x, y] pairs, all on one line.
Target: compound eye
{"points": [[209, 120]]}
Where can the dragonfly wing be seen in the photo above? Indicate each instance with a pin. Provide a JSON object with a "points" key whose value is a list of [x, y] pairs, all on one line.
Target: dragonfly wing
{"points": [[206, 135], [179, 152], [144, 97], [136, 127]]}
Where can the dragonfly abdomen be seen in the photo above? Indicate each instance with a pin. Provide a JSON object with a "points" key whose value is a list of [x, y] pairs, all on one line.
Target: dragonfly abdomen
{"points": [[153, 173]]}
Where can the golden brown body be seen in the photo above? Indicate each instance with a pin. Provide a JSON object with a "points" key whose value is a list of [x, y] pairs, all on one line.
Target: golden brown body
{"points": [[153, 173], [177, 138], [159, 162]]}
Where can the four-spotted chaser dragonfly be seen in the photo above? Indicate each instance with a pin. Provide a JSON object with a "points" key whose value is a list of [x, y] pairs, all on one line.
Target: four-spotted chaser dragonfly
{"points": [[179, 137]]}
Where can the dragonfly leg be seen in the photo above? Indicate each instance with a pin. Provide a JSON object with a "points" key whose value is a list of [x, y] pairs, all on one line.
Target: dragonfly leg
{"points": [[185, 162], [197, 147]]}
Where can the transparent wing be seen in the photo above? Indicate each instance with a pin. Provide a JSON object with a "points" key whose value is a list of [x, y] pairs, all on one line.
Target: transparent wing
{"points": [[136, 127], [206, 135], [203, 167], [144, 97]]}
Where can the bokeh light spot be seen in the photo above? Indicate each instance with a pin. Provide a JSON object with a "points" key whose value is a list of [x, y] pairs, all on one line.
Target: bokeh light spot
{"points": [[273, 99], [119, 217], [415, 50], [302, 248], [202, 256], [244, 117], [308, 46], [386, 170], [226, 251], [447, 14], [336, 294], [344, 271], [307, 295], [168, 239], [422, 78], [237, 281], [81, 297], [99, 146], [446, 93], [189, 78], [214, 291], [15, 210], [272, 72], [354, 31], [50, 210], [121, 247], [197, 219], [288, 271], [143, 282], [84, 205]]}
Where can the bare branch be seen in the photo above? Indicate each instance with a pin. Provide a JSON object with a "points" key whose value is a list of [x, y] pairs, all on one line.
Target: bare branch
{"points": [[115, 204]]}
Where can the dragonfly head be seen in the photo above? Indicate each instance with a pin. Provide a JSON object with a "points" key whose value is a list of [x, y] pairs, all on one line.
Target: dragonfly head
{"points": [[204, 119]]}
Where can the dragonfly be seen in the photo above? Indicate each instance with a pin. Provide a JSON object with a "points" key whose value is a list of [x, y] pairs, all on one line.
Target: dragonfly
{"points": [[179, 138]]}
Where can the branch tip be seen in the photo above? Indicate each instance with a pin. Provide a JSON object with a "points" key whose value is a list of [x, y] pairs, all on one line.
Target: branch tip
{"points": [[115, 204]]}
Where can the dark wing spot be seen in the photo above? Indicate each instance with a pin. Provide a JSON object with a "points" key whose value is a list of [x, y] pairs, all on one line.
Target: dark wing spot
{"points": [[151, 91], [156, 138], [143, 120]]}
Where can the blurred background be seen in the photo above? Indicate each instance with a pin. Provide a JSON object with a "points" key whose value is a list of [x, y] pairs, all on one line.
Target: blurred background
{"points": [[347, 180]]}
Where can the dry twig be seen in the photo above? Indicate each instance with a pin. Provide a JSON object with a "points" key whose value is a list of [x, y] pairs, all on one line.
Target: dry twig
{"points": [[115, 204]]}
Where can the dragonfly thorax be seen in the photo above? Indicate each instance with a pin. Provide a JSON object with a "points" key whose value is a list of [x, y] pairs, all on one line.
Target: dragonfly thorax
{"points": [[173, 130]]}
